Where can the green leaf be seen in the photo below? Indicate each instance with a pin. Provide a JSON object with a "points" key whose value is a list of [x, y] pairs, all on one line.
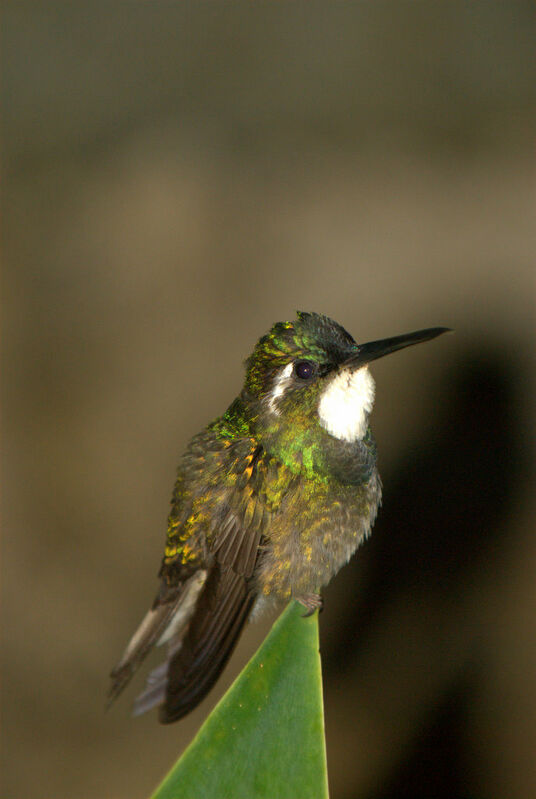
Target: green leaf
{"points": [[265, 738]]}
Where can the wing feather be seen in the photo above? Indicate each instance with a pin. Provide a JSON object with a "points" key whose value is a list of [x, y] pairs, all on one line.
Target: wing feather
{"points": [[226, 600], [208, 643], [202, 626]]}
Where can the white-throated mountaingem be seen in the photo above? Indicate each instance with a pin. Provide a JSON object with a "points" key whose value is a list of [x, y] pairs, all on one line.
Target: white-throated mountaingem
{"points": [[271, 499]]}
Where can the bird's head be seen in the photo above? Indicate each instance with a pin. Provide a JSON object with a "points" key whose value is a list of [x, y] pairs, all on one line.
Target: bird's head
{"points": [[311, 374]]}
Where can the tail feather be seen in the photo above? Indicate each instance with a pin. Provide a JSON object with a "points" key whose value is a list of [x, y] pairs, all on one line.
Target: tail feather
{"points": [[141, 643], [201, 627], [164, 622], [155, 690]]}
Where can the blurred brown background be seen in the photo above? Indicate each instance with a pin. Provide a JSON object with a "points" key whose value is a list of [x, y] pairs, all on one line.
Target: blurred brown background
{"points": [[178, 177]]}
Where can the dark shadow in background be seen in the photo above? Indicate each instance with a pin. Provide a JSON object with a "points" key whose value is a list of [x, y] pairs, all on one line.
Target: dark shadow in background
{"points": [[438, 765], [445, 508]]}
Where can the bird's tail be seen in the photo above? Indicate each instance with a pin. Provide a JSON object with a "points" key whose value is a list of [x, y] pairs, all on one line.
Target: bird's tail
{"points": [[165, 622]]}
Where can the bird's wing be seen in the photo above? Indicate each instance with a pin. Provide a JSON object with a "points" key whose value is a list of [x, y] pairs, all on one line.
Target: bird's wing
{"points": [[176, 599], [199, 648], [228, 595], [222, 609]]}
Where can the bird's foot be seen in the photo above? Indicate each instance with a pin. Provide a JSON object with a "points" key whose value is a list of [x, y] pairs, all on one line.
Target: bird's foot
{"points": [[312, 602]]}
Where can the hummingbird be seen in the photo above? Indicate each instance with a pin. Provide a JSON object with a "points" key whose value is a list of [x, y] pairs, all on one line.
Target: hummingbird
{"points": [[271, 499]]}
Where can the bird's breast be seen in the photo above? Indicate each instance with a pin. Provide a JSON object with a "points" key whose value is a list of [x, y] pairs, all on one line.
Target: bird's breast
{"points": [[314, 534]]}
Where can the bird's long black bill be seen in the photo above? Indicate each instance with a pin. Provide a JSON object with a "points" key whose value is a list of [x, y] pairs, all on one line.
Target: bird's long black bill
{"points": [[377, 349]]}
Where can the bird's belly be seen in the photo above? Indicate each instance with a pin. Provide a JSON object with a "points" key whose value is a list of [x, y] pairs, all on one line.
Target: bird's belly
{"points": [[314, 536]]}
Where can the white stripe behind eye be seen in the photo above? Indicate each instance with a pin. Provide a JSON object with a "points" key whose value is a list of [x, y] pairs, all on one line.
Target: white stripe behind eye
{"points": [[280, 384]]}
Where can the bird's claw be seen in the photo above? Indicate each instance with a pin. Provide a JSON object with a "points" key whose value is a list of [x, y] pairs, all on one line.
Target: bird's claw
{"points": [[312, 602]]}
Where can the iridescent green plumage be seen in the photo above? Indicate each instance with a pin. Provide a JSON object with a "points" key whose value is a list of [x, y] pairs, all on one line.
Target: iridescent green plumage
{"points": [[271, 499]]}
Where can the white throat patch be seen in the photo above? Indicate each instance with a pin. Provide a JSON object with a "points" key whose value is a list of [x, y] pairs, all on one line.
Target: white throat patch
{"points": [[346, 403]]}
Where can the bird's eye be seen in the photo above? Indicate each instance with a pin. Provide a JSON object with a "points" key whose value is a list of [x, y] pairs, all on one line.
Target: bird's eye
{"points": [[304, 369]]}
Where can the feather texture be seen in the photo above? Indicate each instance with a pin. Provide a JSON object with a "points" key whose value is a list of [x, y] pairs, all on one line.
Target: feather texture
{"points": [[211, 637]]}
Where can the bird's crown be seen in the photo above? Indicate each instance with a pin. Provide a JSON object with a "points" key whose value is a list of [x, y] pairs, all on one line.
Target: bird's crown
{"points": [[311, 336]]}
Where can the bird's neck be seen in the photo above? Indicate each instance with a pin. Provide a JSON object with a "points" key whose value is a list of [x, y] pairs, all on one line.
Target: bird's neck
{"points": [[303, 445], [318, 455], [300, 442]]}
